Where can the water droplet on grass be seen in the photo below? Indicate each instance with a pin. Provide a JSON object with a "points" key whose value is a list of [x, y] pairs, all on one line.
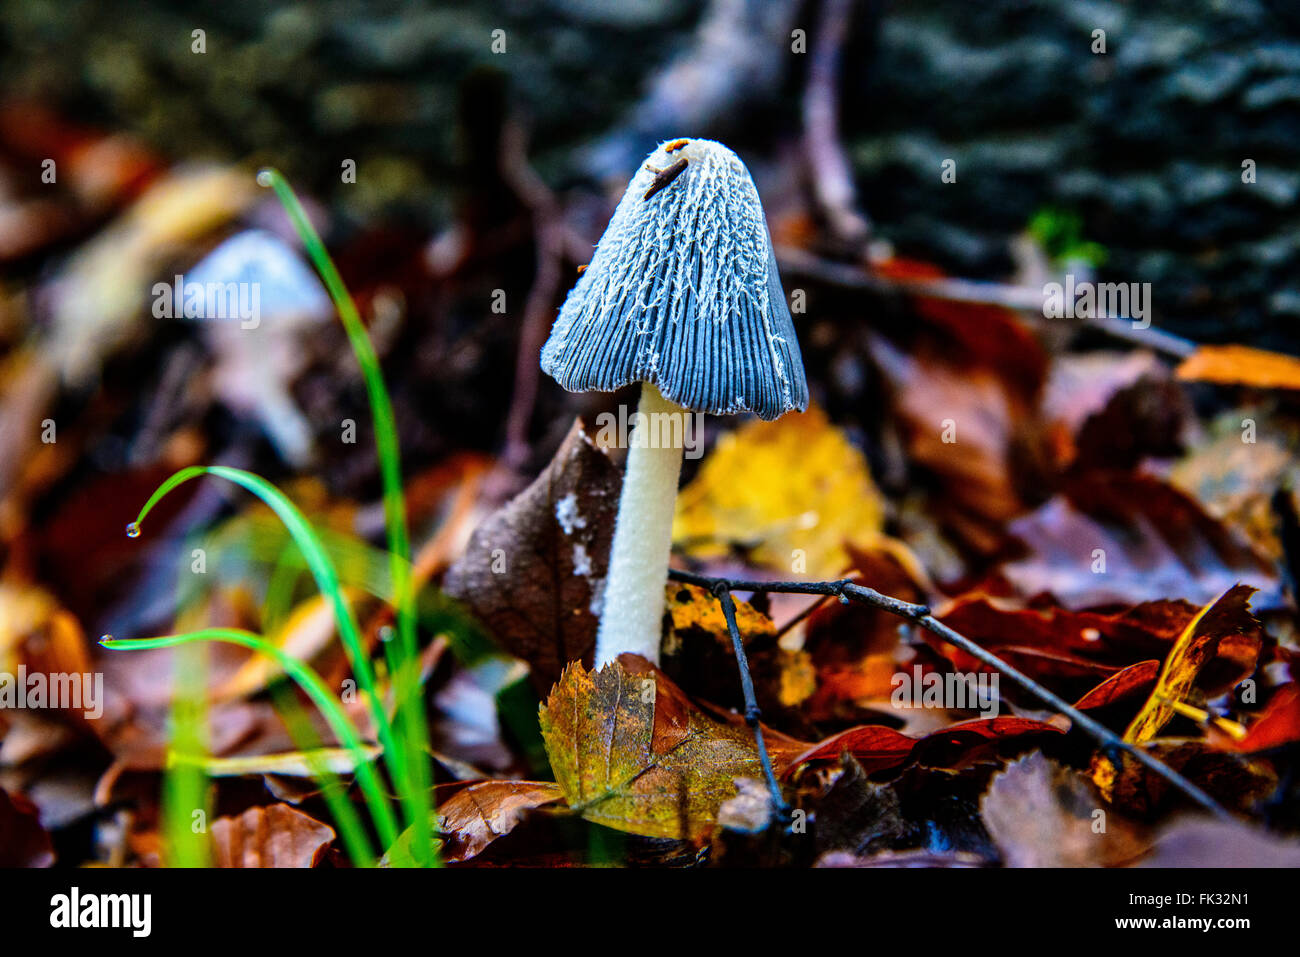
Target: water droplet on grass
{"points": [[133, 530]]}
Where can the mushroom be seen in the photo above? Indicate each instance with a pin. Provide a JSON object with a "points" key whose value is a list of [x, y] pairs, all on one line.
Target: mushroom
{"points": [[681, 295]]}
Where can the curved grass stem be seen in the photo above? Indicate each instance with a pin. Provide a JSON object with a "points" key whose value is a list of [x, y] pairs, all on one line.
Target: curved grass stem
{"points": [[327, 581], [320, 695]]}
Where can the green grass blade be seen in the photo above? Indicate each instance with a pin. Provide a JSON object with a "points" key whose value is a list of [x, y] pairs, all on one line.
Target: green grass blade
{"points": [[185, 786], [417, 774], [315, 689], [332, 789]]}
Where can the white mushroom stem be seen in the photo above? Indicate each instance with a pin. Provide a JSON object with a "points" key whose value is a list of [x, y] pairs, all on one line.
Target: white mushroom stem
{"points": [[632, 616]]}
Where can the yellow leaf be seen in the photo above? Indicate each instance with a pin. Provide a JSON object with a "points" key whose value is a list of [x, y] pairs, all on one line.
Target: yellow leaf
{"points": [[298, 764], [690, 606], [1227, 616], [632, 753], [783, 490]]}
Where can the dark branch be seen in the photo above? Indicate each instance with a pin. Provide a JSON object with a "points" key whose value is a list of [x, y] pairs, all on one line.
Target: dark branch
{"points": [[920, 614]]}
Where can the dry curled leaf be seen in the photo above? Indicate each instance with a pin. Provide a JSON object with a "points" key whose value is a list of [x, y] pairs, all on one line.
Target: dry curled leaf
{"points": [[534, 571], [477, 815], [274, 836], [1043, 815]]}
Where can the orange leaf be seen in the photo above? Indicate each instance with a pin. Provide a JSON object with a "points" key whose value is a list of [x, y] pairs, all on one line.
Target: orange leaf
{"points": [[1241, 365]]}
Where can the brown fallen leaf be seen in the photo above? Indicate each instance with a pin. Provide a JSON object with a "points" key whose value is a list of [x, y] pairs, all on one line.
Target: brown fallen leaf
{"points": [[1231, 779], [985, 336], [1211, 843], [477, 815], [534, 572], [1053, 644], [632, 753], [1116, 538], [1111, 639], [1109, 409], [944, 408], [839, 634], [23, 842], [920, 810], [273, 836], [1041, 814]]}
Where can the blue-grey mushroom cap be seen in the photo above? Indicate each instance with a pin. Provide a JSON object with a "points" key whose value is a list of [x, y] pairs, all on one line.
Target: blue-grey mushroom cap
{"points": [[683, 291], [258, 259]]}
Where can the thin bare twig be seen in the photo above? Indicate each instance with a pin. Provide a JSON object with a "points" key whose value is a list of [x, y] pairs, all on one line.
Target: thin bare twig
{"points": [[550, 239], [752, 712], [978, 292], [828, 166], [920, 615]]}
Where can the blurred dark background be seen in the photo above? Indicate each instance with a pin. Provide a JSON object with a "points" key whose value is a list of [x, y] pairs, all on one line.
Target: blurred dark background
{"points": [[1144, 143]]}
